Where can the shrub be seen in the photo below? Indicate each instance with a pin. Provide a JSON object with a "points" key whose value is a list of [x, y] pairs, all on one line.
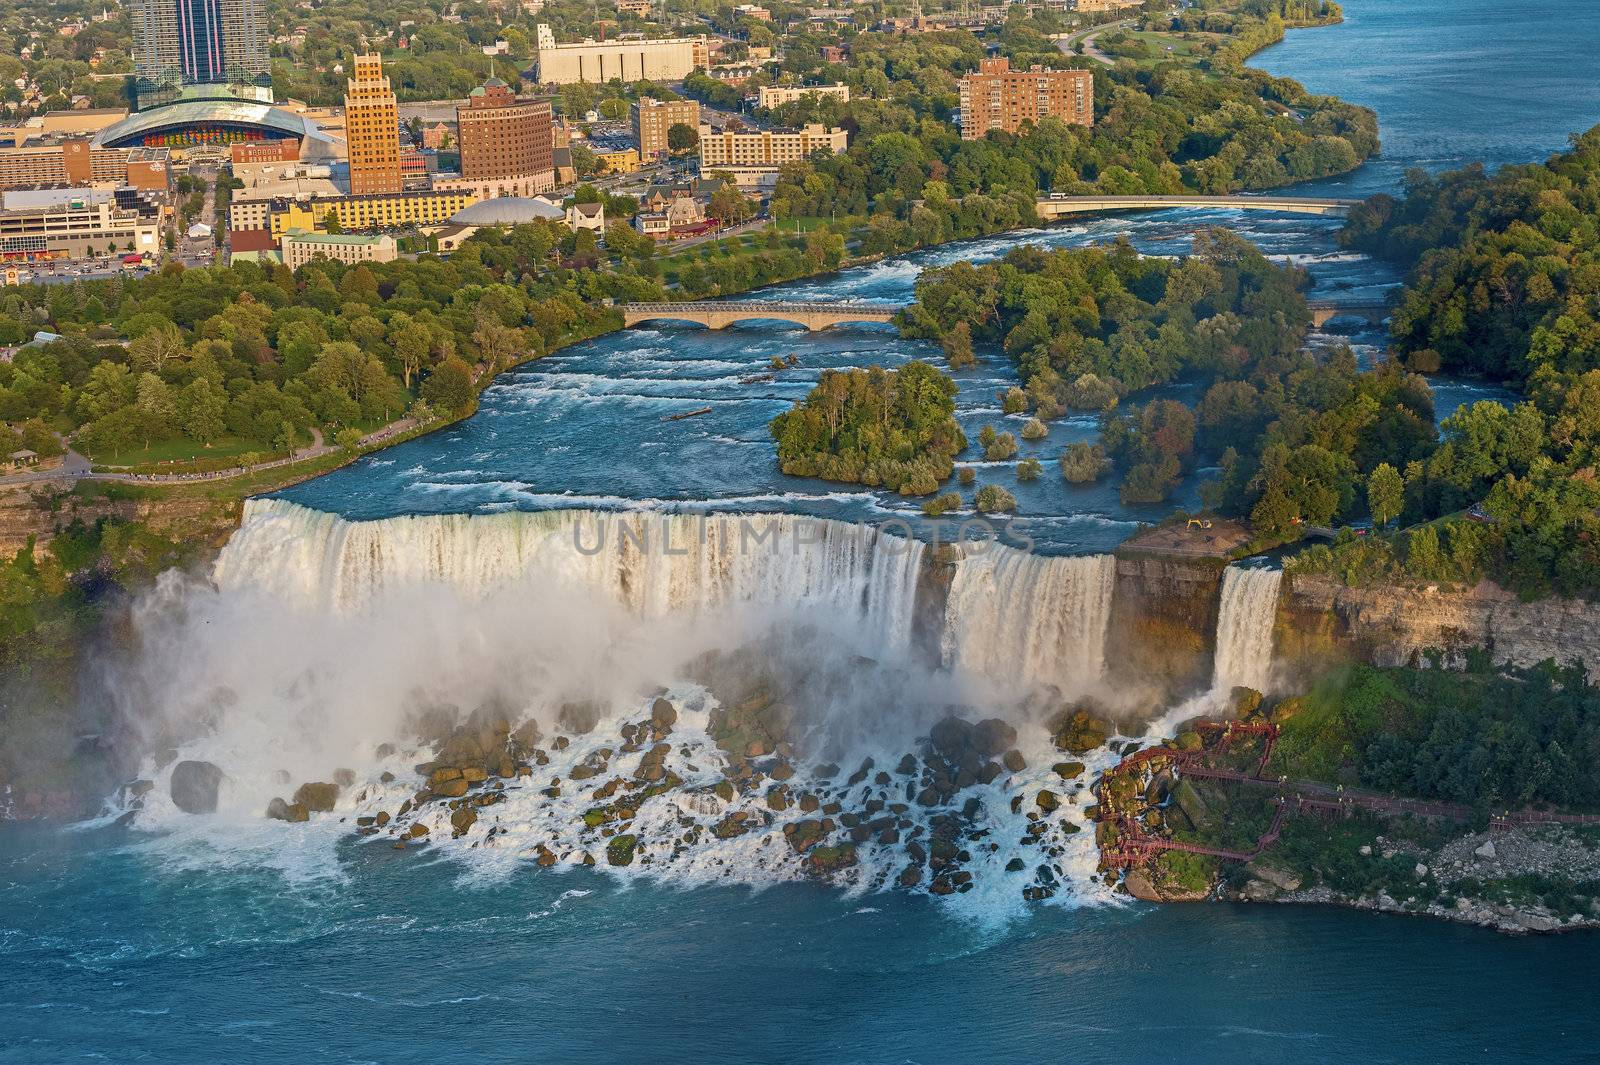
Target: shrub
{"points": [[992, 499], [1083, 463], [1028, 469], [1000, 448]]}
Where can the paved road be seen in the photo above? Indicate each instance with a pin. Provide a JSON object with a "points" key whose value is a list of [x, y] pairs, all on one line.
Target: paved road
{"points": [[1087, 39], [72, 468]]}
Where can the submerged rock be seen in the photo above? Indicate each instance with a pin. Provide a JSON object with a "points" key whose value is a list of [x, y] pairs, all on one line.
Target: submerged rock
{"points": [[194, 787]]}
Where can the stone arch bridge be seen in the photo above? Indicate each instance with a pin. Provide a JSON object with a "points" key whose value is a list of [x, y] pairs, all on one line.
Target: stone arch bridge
{"points": [[716, 314], [1373, 312], [1062, 206]]}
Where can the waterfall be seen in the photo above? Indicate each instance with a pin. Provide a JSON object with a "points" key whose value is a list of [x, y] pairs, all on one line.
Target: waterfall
{"points": [[1035, 618], [653, 564], [1244, 628]]}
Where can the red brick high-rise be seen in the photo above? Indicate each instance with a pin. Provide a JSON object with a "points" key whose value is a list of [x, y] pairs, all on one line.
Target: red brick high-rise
{"points": [[502, 135], [997, 97]]}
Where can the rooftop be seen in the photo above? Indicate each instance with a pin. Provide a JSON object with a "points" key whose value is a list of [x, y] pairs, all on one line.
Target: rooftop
{"points": [[307, 237], [189, 113], [507, 211]]}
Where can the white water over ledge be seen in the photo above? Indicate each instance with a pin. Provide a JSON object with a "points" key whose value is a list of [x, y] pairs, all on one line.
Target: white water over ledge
{"points": [[1039, 619], [654, 565], [1010, 615], [1245, 619]]}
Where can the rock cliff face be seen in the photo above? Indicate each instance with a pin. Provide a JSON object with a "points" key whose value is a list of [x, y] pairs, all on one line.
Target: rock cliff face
{"points": [[1163, 623], [40, 513], [1319, 618]]}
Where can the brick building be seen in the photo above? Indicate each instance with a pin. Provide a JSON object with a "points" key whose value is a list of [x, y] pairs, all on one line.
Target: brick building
{"points": [[502, 135], [653, 118], [372, 130], [997, 97]]}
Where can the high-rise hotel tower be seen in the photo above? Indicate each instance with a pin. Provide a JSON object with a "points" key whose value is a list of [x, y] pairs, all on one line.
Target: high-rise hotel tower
{"points": [[183, 43]]}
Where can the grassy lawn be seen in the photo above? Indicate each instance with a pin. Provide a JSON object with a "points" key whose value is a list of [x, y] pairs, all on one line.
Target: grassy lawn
{"points": [[178, 449], [1182, 45]]}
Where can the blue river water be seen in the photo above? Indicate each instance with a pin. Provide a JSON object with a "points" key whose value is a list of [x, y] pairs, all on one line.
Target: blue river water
{"points": [[127, 947]]}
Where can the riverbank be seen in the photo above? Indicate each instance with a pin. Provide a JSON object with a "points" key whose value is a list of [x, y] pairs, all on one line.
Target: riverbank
{"points": [[1223, 813]]}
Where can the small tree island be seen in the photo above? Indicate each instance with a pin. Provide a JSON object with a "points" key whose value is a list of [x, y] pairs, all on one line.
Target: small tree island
{"points": [[894, 428]]}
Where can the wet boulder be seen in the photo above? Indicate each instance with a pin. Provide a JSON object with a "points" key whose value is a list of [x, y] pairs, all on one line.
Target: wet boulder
{"points": [[951, 737], [525, 739], [579, 718], [278, 810], [318, 796], [663, 714], [194, 786], [992, 737]]}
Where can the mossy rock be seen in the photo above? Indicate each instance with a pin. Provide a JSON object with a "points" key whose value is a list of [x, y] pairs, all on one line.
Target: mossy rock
{"points": [[729, 827], [1079, 731], [619, 851], [825, 860], [1188, 800], [1068, 770], [1190, 740], [1246, 703]]}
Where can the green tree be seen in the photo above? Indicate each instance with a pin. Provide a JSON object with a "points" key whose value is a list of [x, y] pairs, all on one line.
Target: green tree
{"points": [[682, 137], [201, 406], [1386, 494], [449, 386], [993, 499], [958, 347]]}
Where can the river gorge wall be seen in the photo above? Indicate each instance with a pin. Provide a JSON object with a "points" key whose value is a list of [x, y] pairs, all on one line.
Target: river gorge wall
{"points": [[1319, 619]]}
